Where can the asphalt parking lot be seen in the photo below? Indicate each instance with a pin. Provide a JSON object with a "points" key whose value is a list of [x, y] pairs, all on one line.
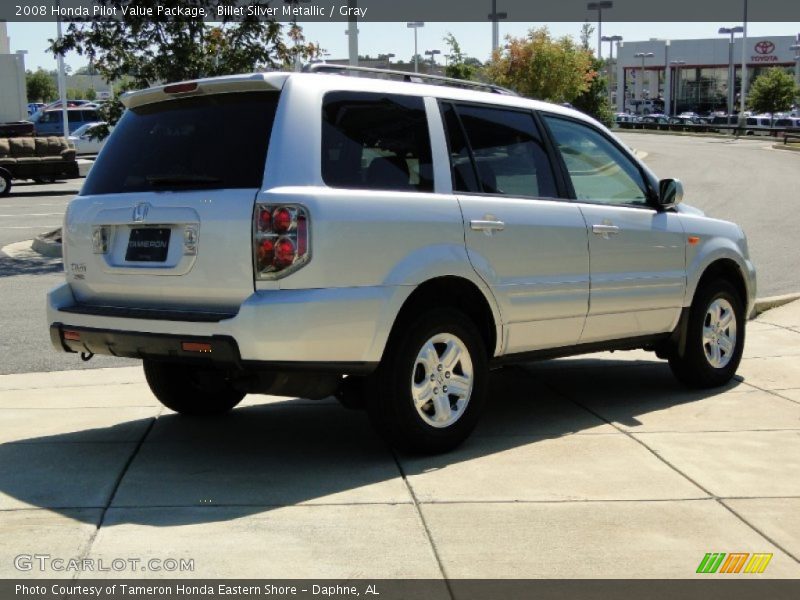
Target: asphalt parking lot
{"points": [[590, 467]]}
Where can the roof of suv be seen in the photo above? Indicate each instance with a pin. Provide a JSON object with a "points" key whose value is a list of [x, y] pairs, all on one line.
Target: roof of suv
{"points": [[331, 81]]}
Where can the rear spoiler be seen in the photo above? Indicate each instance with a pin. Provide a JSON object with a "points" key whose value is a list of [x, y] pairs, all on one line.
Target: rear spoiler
{"points": [[213, 85]]}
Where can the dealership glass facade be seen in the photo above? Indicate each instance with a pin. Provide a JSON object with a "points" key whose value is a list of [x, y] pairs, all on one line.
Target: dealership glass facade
{"points": [[699, 82], [697, 89]]}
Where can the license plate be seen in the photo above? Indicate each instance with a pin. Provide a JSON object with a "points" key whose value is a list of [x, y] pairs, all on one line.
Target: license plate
{"points": [[149, 244]]}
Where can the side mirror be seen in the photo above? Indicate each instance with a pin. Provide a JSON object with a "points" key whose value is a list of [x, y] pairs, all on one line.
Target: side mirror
{"points": [[670, 193]]}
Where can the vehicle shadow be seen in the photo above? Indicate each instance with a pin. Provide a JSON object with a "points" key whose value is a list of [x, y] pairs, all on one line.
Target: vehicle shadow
{"points": [[292, 452], [10, 267]]}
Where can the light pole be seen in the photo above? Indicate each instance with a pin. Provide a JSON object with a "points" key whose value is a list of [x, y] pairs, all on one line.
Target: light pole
{"points": [[643, 56], [742, 117], [432, 54], [599, 7], [677, 64], [495, 17], [611, 39], [415, 25], [731, 74]]}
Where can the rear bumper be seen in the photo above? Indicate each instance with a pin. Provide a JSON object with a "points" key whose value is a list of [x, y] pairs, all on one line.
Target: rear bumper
{"points": [[344, 327]]}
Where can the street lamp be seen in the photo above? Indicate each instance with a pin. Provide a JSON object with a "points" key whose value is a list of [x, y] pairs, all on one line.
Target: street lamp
{"points": [[415, 25], [611, 39], [599, 7], [731, 75], [495, 17], [643, 56], [432, 54], [677, 64]]}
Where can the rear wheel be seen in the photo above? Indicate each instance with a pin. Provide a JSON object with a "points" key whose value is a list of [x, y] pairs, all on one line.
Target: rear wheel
{"points": [[191, 390], [430, 389], [714, 337], [5, 184]]}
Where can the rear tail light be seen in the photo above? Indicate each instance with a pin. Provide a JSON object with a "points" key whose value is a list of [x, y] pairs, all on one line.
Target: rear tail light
{"points": [[100, 236], [281, 241]]}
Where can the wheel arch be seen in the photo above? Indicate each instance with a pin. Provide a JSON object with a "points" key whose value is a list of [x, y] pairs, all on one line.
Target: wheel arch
{"points": [[454, 292]]}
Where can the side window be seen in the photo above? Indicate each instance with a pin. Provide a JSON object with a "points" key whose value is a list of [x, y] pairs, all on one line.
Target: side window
{"points": [[75, 116], [506, 151], [51, 117], [376, 141], [599, 171]]}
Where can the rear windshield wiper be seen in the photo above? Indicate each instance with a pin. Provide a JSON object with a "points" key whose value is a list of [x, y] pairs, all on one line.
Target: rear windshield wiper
{"points": [[162, 180]]}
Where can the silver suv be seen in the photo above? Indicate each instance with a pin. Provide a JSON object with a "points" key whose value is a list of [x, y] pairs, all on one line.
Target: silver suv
{"points": [[389, 242]]}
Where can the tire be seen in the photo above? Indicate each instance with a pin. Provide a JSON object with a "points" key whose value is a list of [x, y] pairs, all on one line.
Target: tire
{"points": [[5, 184], [191, 390], [417, 359], [706, 362]]}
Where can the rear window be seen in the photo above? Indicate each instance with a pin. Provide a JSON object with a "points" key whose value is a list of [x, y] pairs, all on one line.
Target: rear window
{"points": [[205, 142]]}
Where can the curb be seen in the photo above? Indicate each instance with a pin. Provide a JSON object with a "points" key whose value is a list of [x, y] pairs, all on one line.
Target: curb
{"points": [[48, 244], [786, 148], [764, 304]]}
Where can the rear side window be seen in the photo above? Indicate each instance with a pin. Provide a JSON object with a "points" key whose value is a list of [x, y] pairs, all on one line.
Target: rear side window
{"points": [[376, 141], [205, 142], [497, 151]]}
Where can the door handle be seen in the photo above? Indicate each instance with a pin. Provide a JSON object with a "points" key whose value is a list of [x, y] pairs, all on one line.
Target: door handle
{"points": [[605, 230], [486, 225]]}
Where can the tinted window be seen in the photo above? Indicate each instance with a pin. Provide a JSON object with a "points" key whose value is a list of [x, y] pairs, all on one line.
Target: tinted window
{"points": [[461, 166], [51, 117], [505, 148], [600, 172], [215, 141], [376, 141]]}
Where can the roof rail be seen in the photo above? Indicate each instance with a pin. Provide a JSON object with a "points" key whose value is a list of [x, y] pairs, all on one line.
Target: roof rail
{"points": [[407, 77]]}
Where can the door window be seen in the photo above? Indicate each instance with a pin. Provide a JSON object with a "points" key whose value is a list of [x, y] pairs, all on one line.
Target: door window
{"points": [[497, 151], [600, 172]]}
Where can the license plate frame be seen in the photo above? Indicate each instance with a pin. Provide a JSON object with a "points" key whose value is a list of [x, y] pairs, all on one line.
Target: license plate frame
{"points": [[148, 244]]}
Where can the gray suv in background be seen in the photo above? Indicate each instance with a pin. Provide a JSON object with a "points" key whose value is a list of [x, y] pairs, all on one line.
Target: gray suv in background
{"points": [[385, 241]]}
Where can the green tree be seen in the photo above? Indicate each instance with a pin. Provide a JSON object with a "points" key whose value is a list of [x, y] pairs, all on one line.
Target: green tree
{"points": [[587, 30], [539, 66], [457, 66], [594, 101], [140, 51], [41, 86], [772, 92]]}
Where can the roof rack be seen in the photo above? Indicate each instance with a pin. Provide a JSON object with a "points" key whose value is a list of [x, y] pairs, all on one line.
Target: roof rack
{"points": [[408, 77]]}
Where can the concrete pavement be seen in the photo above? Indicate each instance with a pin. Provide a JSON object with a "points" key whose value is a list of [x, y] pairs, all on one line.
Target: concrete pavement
{"points": [[596, 466]]}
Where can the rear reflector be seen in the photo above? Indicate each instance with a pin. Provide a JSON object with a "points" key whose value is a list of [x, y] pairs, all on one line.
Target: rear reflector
{"points": [[195, 347], [72, 336], [181, 88]]}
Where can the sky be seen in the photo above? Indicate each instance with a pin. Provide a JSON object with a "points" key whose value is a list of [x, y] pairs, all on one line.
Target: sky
{"points": [[396, 38]]}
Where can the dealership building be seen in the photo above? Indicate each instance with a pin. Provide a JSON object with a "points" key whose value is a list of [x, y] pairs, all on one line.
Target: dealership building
{"points": [[693, 75]]}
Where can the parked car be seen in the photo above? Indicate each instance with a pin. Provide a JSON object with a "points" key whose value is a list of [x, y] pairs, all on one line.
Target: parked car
{"points": [[49, 122], [654, 118], [85, 139], [428, 234], [34, 107]]}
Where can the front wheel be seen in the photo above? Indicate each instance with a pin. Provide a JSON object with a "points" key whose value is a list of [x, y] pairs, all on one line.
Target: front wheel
{"points": [[714, 337], [191, 390], [430, 388]]}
